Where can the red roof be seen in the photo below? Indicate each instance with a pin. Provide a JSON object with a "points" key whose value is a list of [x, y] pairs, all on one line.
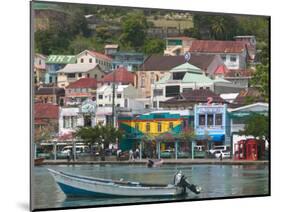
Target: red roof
{"points": [[215, 46], [84, 83], [239, 73], [46, 111], [100, 55], [121, 75], [221, 69]]}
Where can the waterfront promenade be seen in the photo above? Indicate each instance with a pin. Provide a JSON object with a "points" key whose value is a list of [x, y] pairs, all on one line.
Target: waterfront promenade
{"points": [[166, 161]]}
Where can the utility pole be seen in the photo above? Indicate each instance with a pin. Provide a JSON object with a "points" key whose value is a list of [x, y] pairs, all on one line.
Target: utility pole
{"points": [[113, 99]]}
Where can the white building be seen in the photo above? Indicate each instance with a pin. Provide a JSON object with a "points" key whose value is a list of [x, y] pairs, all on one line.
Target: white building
{"points": [[125, 100], [233, 53], [72, 117], [95, 58], [180, 79]]}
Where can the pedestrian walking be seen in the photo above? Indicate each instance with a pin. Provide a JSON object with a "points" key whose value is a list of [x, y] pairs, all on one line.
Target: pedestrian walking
{"points": [[221, 156], [131, 155]]}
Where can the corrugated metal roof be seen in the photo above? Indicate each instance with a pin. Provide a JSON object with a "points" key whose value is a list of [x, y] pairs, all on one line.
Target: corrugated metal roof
{"points": [[78, 68], [215, 46]]}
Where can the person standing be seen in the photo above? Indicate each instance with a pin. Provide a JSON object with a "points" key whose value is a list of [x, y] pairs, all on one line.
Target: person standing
{"points": [[131, 155]]}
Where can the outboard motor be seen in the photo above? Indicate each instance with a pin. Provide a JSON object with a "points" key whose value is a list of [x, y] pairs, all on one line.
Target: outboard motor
{"points": [[180, 180]]}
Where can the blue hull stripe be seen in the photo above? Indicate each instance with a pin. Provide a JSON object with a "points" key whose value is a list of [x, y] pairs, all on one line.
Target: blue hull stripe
{"points": [[72, 191]]}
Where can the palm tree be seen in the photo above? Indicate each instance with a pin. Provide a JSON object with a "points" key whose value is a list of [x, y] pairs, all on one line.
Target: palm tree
{"points": [[218, 28]]}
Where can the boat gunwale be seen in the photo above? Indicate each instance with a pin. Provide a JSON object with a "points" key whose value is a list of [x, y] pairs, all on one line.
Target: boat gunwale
{"points": [[108, 182]]}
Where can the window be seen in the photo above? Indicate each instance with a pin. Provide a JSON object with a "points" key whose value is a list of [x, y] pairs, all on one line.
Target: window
{"points": [[73, 121], [96, 76], [100, 96], [223, 57], [119, 96], [171, 125], [154, 104], [80, 75], [159, 127], [172, 90], [201, 88], [90, 60], [39, 62], [100, 105], [50, 79], [218, 119], [81, 60], [147, 127], [152, 78], [202, 120], [142, 82], [233, 58], [118, 105], [207, 88], [184, 90], [84, 90], [126, 103], [71, 75], [88, 75], [178, 75], [210, 120]]}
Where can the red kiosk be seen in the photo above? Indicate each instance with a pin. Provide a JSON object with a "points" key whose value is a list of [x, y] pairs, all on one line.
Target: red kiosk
{"points": [[249, 149]]}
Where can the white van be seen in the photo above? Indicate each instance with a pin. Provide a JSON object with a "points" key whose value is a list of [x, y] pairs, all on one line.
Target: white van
{"points": [[79, 149], [220, 147]]}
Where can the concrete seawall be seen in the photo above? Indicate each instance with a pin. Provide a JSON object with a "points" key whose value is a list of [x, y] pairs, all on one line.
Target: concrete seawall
{"points": [[166, 161]]}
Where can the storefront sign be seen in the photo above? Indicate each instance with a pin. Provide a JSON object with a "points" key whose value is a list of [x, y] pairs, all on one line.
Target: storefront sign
{"points": [[210, 110], [88, 106]]}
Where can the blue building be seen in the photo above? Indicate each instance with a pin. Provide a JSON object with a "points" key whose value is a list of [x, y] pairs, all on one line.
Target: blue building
{"points": [[211, 125], [130, 60], [55, 63]]}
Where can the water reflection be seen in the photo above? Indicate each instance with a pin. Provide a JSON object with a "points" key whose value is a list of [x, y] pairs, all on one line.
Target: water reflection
{"points": [[216, 181]]}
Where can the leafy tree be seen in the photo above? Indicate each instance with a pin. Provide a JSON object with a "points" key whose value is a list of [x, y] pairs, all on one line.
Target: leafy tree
{"points": [[220, 27], [79, 44], [154, 46], [45, 132], [187, 135], [256, 125], [99, 134], [134, 30], [261, 80]]}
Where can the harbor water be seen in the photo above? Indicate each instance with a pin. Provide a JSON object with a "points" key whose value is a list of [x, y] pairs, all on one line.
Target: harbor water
{"points": [[215, 180]]}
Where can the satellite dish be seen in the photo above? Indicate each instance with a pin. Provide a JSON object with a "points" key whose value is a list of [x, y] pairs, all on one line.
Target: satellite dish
{"points": [[187, 56]]}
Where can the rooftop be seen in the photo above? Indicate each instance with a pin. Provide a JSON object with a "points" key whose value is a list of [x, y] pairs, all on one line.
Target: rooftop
{"points": [[46, 111], [122, 75], [161, 63], [99, 55], [240, 73], [78, 68], [49, 91], [215, 46], [84, 83], [202, 61], [198, 96]]}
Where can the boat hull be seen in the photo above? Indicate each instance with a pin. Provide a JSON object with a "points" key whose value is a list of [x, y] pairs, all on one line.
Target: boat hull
{"points": [[73, 185]]}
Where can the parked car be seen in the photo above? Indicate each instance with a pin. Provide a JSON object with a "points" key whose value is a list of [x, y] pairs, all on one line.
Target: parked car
{"points": [[80, 151], [225, 154], [167, 153], [220, 147]]}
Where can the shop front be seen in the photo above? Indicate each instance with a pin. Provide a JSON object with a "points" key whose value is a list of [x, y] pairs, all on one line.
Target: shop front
{"points": [[210, 125], [156, 135]]}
